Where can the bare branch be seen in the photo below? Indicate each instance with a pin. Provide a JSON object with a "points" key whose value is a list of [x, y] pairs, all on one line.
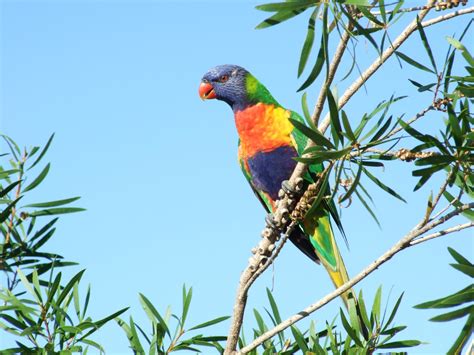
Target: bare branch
{"points": [[447, 16], [441, 233], [402, 244]]}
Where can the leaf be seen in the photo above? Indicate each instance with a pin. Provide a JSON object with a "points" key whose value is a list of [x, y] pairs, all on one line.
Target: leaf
{"points": [[459, 258], [7, 189], [347, 126], [465, 269], [413, 62], [424, 39], [394, 311], [459, 46], [43, 152], [376, 304], [459, 313], [463, 337], [351, 332], [400, 344], [316, 68], [308, 42], [209, 323], [55, 211], [354, 184], [187, 296], [364, 203], [152, 313], [455, 299], [53, 203], [382, 185], [38, 179], [278, 18], [274, 306], [292, 5], [306, 114], [314, 135], [299, 338], [69, 286], [333, 112], [7, 210]]}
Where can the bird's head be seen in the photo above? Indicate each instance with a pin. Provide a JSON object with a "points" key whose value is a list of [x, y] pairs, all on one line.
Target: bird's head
{"points": [[227, 83]]}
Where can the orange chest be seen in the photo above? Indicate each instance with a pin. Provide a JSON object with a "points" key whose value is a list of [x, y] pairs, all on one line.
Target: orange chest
{"points": [[262, 128]]}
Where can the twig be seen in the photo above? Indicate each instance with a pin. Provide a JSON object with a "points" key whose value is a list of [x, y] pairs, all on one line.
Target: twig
{"points": [[403, 243], [441, 233], [433, 204], [448, 16], [409, 122]]}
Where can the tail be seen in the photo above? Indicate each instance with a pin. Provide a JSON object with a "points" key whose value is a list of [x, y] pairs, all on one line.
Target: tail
{"points": [[325, 247]]}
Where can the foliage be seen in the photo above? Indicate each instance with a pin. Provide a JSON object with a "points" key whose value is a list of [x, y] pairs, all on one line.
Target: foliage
{"points": [[463, 297], [351, 339], [162, 339], [43, 312]]}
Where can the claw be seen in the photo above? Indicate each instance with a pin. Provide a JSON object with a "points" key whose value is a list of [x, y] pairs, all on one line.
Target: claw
{"points": [[289, 189], [271, 221]]}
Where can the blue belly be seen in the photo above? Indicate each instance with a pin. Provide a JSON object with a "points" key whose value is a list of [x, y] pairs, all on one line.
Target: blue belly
{"points": [[270, 169]]}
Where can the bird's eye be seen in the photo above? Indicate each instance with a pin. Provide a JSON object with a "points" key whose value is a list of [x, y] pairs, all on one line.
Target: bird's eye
{"points": [[224, 78]]}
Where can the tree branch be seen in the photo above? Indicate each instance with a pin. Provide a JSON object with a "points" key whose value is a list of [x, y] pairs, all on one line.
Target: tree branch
{"points": [[441, 233], [407, 241]]}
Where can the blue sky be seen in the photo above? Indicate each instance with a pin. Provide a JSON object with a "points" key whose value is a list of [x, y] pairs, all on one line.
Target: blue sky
{"points": [[156, 167]]}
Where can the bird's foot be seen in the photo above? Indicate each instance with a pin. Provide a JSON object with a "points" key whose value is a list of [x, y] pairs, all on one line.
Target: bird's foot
{"points": [[271, 223], [292, 190]]}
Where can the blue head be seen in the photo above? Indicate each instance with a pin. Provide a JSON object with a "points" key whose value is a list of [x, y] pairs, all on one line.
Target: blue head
{"points": [[227, 83]]}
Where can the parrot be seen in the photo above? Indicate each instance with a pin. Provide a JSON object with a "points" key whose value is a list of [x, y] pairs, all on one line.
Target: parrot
{"points": [[268, 144]]}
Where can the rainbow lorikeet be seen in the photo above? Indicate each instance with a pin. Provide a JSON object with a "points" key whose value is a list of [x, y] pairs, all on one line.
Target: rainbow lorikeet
{"points": [[268, 145]]}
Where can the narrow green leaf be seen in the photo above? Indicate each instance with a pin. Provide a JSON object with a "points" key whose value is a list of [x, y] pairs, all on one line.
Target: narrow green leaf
{"points": [[279, 6], [364, 203], [38, 179], [274, 306], [187, 296], [53, 203], [152, 313], [308, 42], [459, 313], [347, 126], [376, 304], [306, 114], [7, 189], [55, 211], [394, 311], [400, 344], [299, 338], [354, 184], [458, 257], [43, 152], [7, 210], [426, 44], [465, 269], [351, 332], [278, 18], [314, 135], [318, 66], [382, 185], [68, 287], [459, 46], [333, 112], [413, 62], [463, 337], [209, 323]]}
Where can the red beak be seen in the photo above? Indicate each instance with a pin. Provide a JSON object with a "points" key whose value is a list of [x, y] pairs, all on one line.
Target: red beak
{"points": [[206, 91]]}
